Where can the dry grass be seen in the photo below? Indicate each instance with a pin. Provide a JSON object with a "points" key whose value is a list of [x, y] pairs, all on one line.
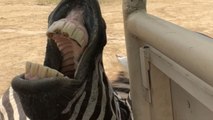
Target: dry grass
{"points": [[47, 2]]}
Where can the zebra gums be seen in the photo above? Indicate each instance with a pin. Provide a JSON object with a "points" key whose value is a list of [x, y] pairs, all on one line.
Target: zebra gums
{"points": [[71, 85]]}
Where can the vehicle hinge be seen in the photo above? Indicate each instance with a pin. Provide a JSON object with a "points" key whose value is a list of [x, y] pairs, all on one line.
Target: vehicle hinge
{"points": [[145, 72]]}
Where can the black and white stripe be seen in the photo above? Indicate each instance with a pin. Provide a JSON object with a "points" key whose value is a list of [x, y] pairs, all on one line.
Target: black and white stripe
{"points": [[96, 100], [10, 106]]}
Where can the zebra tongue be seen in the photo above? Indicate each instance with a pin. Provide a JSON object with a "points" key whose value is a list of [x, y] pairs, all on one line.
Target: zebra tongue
{"points": [[36, 71]]}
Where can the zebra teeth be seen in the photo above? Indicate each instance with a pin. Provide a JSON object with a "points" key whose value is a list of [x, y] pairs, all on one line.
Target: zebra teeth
{"points": [[41, 71], [73, 32], [68, 29], [33, 69], [78, 36], [28, 66], [59, 74], [56, 27], [51, 73]]}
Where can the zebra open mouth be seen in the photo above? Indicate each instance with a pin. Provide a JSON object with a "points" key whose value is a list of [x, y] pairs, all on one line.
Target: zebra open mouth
{"points": [[52, 85], [73, 60], [67, 41], [71, 38]]}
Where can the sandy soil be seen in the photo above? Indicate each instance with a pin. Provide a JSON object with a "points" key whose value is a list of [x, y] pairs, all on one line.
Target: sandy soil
{"points": [[23, 25]]}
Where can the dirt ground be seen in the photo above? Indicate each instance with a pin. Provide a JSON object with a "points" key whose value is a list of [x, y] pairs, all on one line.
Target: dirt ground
{"points": [[23, 26]]}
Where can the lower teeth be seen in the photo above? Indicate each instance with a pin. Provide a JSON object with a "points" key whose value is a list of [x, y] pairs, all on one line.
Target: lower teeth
{"points": [[35, 70]]}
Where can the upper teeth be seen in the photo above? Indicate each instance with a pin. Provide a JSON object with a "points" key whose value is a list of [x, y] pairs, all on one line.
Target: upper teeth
{"points": [[41, 71], [69, 28]]}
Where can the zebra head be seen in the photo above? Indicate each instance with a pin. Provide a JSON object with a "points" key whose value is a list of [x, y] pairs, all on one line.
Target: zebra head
{"points": [[50, 98]]}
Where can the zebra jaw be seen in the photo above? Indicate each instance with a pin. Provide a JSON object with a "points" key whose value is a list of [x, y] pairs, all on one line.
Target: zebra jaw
{"points": [[36, 71]]}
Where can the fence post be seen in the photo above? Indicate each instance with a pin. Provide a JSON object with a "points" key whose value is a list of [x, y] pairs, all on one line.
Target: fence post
{"points": [[144, 108], [132, 45]]}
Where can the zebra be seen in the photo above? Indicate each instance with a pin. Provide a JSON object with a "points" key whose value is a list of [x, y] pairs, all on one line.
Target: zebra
{"points": [[11, 109], [82, 94]]}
